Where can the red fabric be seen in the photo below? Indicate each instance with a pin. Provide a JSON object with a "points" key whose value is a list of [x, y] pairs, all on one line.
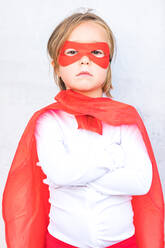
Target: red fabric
{"points": [[127, 243], [84, 49], [25, 205], [89, 123], [52, 242]]}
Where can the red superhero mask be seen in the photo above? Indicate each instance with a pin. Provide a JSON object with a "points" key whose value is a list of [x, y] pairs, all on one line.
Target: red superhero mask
{"points": [[100, 57]]}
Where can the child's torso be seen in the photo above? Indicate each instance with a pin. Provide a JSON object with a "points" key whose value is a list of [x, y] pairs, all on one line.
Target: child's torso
{"points": [[79, 214]]}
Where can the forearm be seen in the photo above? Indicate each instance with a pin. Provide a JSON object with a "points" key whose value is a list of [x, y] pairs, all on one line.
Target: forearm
{"points": [[134, 177], [124, 181], [65, 164]]}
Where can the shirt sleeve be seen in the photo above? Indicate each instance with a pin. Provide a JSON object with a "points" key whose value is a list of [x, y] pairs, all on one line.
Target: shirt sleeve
{"points": [[135, 176], [62, 163]]}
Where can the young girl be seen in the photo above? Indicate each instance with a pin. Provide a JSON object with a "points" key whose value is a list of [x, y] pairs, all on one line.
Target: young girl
{"points": [[84, 173]]}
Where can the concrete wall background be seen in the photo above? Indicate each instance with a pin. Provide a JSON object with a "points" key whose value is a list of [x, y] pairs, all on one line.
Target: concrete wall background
{"points": [[26, 81]]}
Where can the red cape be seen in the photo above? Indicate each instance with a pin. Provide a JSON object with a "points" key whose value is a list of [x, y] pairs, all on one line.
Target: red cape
{"points": [[25, 205]]}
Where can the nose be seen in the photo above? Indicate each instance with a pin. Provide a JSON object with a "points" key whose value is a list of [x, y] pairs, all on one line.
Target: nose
{"points": [[85, 60]]}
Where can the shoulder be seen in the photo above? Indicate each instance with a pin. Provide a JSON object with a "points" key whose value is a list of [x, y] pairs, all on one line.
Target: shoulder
{"points": [[47, 125], [130, 117], [123, 105], [45, 112], [48, 119], [131, 130], [124, 112], [119, 104]]}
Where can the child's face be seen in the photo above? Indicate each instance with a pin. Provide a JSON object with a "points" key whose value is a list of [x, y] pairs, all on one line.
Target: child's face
{"points": [[90, 85]]}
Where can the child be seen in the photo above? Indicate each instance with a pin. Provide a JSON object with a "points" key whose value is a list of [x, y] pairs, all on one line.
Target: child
{"points": [[84, 173]]}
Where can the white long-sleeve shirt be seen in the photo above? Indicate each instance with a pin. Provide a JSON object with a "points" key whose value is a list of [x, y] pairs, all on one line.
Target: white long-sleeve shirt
{"points": [[91, 179]]}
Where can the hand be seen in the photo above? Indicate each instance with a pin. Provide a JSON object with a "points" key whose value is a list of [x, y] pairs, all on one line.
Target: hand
{"points": [[110, 157], [116, 152]]}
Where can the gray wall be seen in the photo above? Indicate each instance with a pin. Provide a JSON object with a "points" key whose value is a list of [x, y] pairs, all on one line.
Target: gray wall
{"points": [[26, 79]]}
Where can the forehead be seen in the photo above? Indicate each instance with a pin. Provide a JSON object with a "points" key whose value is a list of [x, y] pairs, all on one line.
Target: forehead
{"points": [[88, 32], [84, 46]]}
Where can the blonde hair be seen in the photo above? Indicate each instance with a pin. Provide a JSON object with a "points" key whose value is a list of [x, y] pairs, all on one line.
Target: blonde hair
{"points": [[62, 32]]}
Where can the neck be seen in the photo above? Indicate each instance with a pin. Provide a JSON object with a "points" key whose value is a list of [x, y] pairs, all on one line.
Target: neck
{"points": [[94, 94]]}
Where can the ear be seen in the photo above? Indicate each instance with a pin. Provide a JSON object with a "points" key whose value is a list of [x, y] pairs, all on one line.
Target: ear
{"points": [[56, 69], [52, 63]]}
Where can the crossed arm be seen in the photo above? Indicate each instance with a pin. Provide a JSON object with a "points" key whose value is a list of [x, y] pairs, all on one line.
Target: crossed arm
{"points": [[120, 169]]}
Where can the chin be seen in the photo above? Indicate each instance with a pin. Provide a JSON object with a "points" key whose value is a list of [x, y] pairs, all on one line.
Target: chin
{"points": [[84, 89]]}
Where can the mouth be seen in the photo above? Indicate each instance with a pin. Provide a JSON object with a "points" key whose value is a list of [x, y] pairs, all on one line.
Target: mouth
{"points": [[85, 73]]}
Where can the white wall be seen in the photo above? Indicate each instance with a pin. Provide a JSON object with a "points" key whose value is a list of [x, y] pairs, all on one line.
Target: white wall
{"points": [[26, 81]]}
